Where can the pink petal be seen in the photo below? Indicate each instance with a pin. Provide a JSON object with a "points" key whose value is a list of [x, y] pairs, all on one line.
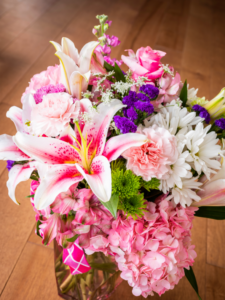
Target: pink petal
{"points": [[15, 114], [46, 150], [118, 144], [55, 179], [134, 66], [9, 150], [17, 174], [99, 179]]}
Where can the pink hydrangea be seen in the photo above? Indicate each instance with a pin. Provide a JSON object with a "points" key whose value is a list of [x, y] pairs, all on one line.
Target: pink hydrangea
{"points": [[146, 62], [50, 76], [154, 157], [151, 251], [53, 114]]}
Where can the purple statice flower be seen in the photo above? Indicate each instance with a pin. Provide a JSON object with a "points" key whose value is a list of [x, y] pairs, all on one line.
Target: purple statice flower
{"points": [[10, 164], [130, 99], [143, 97], [220, 123], [48, 89], [124, 125], [149, 89], [131, 114], [144, 106], [203, 113]]}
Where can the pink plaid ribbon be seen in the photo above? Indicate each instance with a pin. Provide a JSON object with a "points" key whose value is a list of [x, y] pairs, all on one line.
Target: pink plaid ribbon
{"points": [[74, 257]]}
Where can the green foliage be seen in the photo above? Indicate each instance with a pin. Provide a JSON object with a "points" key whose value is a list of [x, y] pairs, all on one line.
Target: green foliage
{"points": [[191, 278], [118, 72], [124, 183], [211, 212], [118, 164], [184, 93], [112, 204], [73, 239], [134, 206], [34, 176], [153, 184]]}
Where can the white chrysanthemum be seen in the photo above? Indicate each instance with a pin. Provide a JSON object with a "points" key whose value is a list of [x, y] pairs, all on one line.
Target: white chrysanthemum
{"points": [[180, 169], [186, 195], [204, 150], [192, 95], [173, 117]]}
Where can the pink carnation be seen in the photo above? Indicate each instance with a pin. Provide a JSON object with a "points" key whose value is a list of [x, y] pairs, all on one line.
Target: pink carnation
{"points": [[53, 114], [146, 62], [50, 76], [153, 158]]}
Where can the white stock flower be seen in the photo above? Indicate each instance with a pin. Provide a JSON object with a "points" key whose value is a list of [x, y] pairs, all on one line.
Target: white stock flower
{"points": [[186, 195], [203, 150]]}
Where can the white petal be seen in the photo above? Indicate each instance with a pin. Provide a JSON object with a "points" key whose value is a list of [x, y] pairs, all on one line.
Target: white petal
{"points": [[9, 150], [85, 56], [69, 49], [15, 114]]}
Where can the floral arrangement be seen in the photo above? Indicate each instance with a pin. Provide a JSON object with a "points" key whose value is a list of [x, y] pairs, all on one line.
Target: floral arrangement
{"points": [[120, 162]]}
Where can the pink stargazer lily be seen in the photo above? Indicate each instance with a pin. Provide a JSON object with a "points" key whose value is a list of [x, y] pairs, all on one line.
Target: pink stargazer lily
{"points": [[213, 192], [79, 154]]}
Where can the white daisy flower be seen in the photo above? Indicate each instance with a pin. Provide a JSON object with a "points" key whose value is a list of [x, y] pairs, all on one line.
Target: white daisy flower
{"points": [[192, 95], [203, 149], [180, 169], [185, 195]]}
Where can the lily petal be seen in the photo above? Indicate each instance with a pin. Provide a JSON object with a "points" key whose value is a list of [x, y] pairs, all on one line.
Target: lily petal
{"points": [[98, 128], [85, 56], [55, 179], [68, 66], [28, 104], [15, 114], [99, 180], [57, 46], [17, 174], [46, 150], [69, 49], [78, 83], [212, 194], [9, 151], [118, 144]]}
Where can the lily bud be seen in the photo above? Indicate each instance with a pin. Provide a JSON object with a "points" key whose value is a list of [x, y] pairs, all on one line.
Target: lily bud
{"points": [[216, 107]]}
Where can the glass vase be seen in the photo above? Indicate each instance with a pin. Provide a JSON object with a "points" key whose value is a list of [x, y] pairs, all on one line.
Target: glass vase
{"points": [[98, 283]]}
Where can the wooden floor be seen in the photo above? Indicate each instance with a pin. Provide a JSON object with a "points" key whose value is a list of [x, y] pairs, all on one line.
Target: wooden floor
{"points": [[192, 32]]}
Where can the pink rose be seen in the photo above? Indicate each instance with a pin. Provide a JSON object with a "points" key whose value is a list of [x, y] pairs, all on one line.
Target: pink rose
{"points": [[53, 114], [146, 62], [50, 76], [169, 88], [154, 157]]}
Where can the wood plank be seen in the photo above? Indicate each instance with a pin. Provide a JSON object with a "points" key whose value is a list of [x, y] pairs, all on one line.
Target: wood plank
{"points": [[16, 223], [33, 277], [215, 288], [14, 64], [215, 243]]}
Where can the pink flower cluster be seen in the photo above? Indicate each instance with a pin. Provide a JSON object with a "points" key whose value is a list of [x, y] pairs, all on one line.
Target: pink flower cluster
{"points": [[50, 76], [152, 251], [48, 89]]}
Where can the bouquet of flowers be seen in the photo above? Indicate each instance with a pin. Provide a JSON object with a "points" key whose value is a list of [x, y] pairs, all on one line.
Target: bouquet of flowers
{"points": [[120, 162]]}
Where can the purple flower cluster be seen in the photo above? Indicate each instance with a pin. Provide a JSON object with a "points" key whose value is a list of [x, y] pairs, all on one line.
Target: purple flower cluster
{"points": [[151, 90], [144, 106], [124, 125], [220, 123], [10, 164], [203, 113], [48, 89], [130, 113]]}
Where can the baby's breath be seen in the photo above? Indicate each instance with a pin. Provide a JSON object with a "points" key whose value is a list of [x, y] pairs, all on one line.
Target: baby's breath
{"points": [[107, 96]]}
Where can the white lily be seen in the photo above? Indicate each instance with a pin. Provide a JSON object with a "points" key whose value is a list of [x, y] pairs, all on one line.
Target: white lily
{"points": [[75, 67]]}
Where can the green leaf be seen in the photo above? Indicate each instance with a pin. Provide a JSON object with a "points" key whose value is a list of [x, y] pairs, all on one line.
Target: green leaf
{"points": [[191, 278], [108, 67], [73, 239], [112, 204], [31, 196], [211, 212], [184, 94], [118, 73], [38, 224]]}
